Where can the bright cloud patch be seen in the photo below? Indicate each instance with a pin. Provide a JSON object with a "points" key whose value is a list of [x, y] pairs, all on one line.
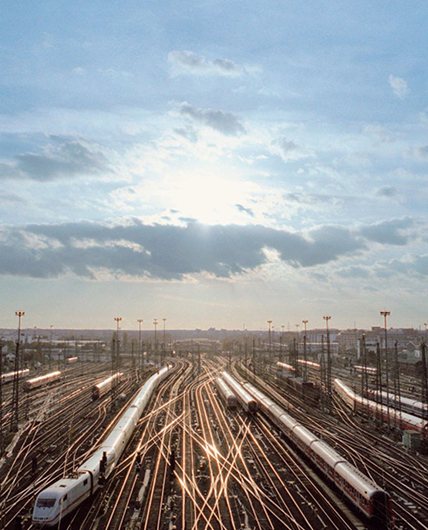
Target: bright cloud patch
{"points": [[399, 86]]}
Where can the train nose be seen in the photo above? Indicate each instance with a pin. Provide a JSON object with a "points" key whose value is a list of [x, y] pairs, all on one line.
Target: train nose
{"points": [[44, 512]]}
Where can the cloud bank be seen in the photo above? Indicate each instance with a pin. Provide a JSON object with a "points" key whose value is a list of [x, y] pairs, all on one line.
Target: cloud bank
{"points": [[169, 252]]}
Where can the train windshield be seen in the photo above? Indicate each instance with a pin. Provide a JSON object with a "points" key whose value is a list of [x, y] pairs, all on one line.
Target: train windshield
{"points": [[45, 503]]}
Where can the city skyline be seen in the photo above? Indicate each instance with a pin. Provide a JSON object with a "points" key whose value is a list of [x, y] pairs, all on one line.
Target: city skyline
{"points": [[213, 165]]}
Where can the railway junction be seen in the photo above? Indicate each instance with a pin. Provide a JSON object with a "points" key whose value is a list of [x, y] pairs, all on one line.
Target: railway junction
{"points": [[169, 447]]}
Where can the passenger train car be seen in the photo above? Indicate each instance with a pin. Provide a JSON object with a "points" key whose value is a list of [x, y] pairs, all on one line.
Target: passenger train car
{"points": [[226, 393], [403, 419], [369, 370], [42, 380], [247, 401], [362, 492], [285, 367], [409, 405], [310, 365], [105, 386], [65, 495], [72, 360], [10, 376]]}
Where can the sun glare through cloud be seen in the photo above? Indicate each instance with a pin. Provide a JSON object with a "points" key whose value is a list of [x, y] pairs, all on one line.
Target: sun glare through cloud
{"points": [[314, 147]]}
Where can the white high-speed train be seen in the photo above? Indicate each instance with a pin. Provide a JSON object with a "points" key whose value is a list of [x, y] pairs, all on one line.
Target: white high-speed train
{"points": [[65, 495]]}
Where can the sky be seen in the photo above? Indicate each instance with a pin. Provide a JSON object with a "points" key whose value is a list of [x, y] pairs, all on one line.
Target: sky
{"points": [[215, 163]]}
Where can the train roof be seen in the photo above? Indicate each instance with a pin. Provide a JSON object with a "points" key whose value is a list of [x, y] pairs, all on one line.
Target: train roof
{"points": [[405, 400], [358, 479], [328, 454], [239, 389], [42, 377], [108, 380], [286, 366], [57, 489], [407, 418]]}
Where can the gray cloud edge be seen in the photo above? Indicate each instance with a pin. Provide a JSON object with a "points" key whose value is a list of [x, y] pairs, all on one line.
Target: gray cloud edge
{"points": [[170, 252]]}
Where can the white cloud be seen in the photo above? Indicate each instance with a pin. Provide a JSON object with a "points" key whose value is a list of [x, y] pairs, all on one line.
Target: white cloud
{"points": [[63, 158], [399, 86], [288, 150], [187, 62], [223, 122]]}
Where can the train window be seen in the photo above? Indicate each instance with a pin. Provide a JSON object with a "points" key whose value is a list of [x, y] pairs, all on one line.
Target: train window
{"points": [[45, 503], [85, 481], [65, 497]]}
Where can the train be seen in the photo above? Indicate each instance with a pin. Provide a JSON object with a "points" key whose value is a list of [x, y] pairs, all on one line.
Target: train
{"points": [[105, 386], [10, 376], [369, 370], [309, 364], [285, 367], [71, 360], [226, 393], [61, 498], [409, 405], [247, 401], [369, 498], [36, 382], [403, 420], [305, 390]]}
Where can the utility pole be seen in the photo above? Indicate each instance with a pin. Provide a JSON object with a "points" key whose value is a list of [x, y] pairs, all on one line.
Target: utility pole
{"points": [[379, 382], [50, 347], [155, 323], [397, 387], [164, 341], [118, 321], [199, 358], [328, 378], [364, 374], [15, 399], [140, 346], [322, 373], [270, 341], [116, 360], [385, 314], [305, 369], [254, 357]]}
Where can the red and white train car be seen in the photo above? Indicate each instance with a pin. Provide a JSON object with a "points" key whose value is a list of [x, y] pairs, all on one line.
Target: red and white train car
{"points": [[105, 386], [10, 376], [72, 360], [406, 422], [42, 380], [362, 492]]}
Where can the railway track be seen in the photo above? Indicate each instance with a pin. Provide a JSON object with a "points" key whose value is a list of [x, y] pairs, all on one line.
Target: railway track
{"points": [[192, 463]]}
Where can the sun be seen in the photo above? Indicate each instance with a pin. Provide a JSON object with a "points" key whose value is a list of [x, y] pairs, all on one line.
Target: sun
{"points": [[211, 197]]}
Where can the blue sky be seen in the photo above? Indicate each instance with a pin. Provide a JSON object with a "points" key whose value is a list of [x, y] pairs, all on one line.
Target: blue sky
{"points": [[213, 163]]}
